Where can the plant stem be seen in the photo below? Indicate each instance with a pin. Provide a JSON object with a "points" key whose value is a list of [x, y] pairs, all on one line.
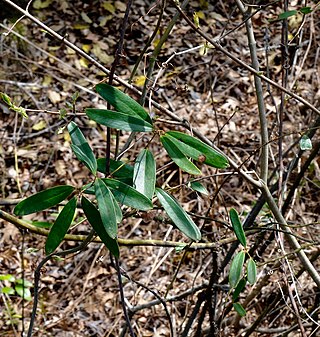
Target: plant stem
{"points": [[37, 274], [291, 239], [156, 52], [259, 93]]}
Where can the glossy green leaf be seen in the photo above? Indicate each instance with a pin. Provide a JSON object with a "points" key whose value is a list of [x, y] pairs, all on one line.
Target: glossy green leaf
{"points": [[144, 177], [23, 292], [41, 224], [178, 215], [121, 101], [119, 120], [178, 157], [198, 150], [236, 269], [117, 209], [106, 208], [94, 219], [196, 186], [251, 271], [305, 10], [305, 143], [60, 227], [118, 170], [81, 148], [239, 309], [127, 195], [43, 200], [286, 15], [238, 289], [237, 227]]}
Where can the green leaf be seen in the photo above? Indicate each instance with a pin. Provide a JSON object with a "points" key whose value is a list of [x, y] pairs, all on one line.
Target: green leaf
{"points": [[251, 271], [25, 282], [305, 10], [6, 98], [127, 195], [94, 219], [60, 227], [196, 186], [117, 209], [144, 176], [196, 19], [198, 150], [178, 157], [239, 309], [41, 224], [8, 290], [119, 170], [122, 102], [7, 277], [119, 120], [81, 148], [237, 227], [106, 208], [305, 143], [178, 215], [286, 15], [238, 289], [236, 269], [23, 292], [12, 106], [43, 200]]}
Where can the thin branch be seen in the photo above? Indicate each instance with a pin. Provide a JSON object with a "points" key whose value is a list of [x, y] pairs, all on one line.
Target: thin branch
{"points": [[37, 274], [259, 93], [291, 239], [234, 58]]}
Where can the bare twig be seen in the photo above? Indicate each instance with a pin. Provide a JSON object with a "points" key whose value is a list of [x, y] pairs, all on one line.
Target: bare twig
{"points": [[259, 93]]}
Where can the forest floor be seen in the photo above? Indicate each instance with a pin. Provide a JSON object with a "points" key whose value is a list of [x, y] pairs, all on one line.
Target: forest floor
{"points": [[80, 294]]}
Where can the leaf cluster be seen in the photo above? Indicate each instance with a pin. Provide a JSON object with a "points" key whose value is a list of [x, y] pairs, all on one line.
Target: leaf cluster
{"points": [[127, 186]]}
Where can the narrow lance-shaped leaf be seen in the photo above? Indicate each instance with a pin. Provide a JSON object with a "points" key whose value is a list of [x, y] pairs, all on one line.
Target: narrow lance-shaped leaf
{"points": [[61, 226], [236, 269], [119, 120], [178, 157], [238, 289], [106, 208], [144, 177], [118, 169], [117, 209], [43, 200], [237, 227], [287, 14], [196, 186], [178, 215], [94, 219], [239, 309], [127, 195], [81, 148], [198, 150], [121, 101], [251, 271]]}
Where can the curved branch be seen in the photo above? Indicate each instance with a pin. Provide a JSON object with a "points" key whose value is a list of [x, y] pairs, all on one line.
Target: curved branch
{"points": [[122, 242]]}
